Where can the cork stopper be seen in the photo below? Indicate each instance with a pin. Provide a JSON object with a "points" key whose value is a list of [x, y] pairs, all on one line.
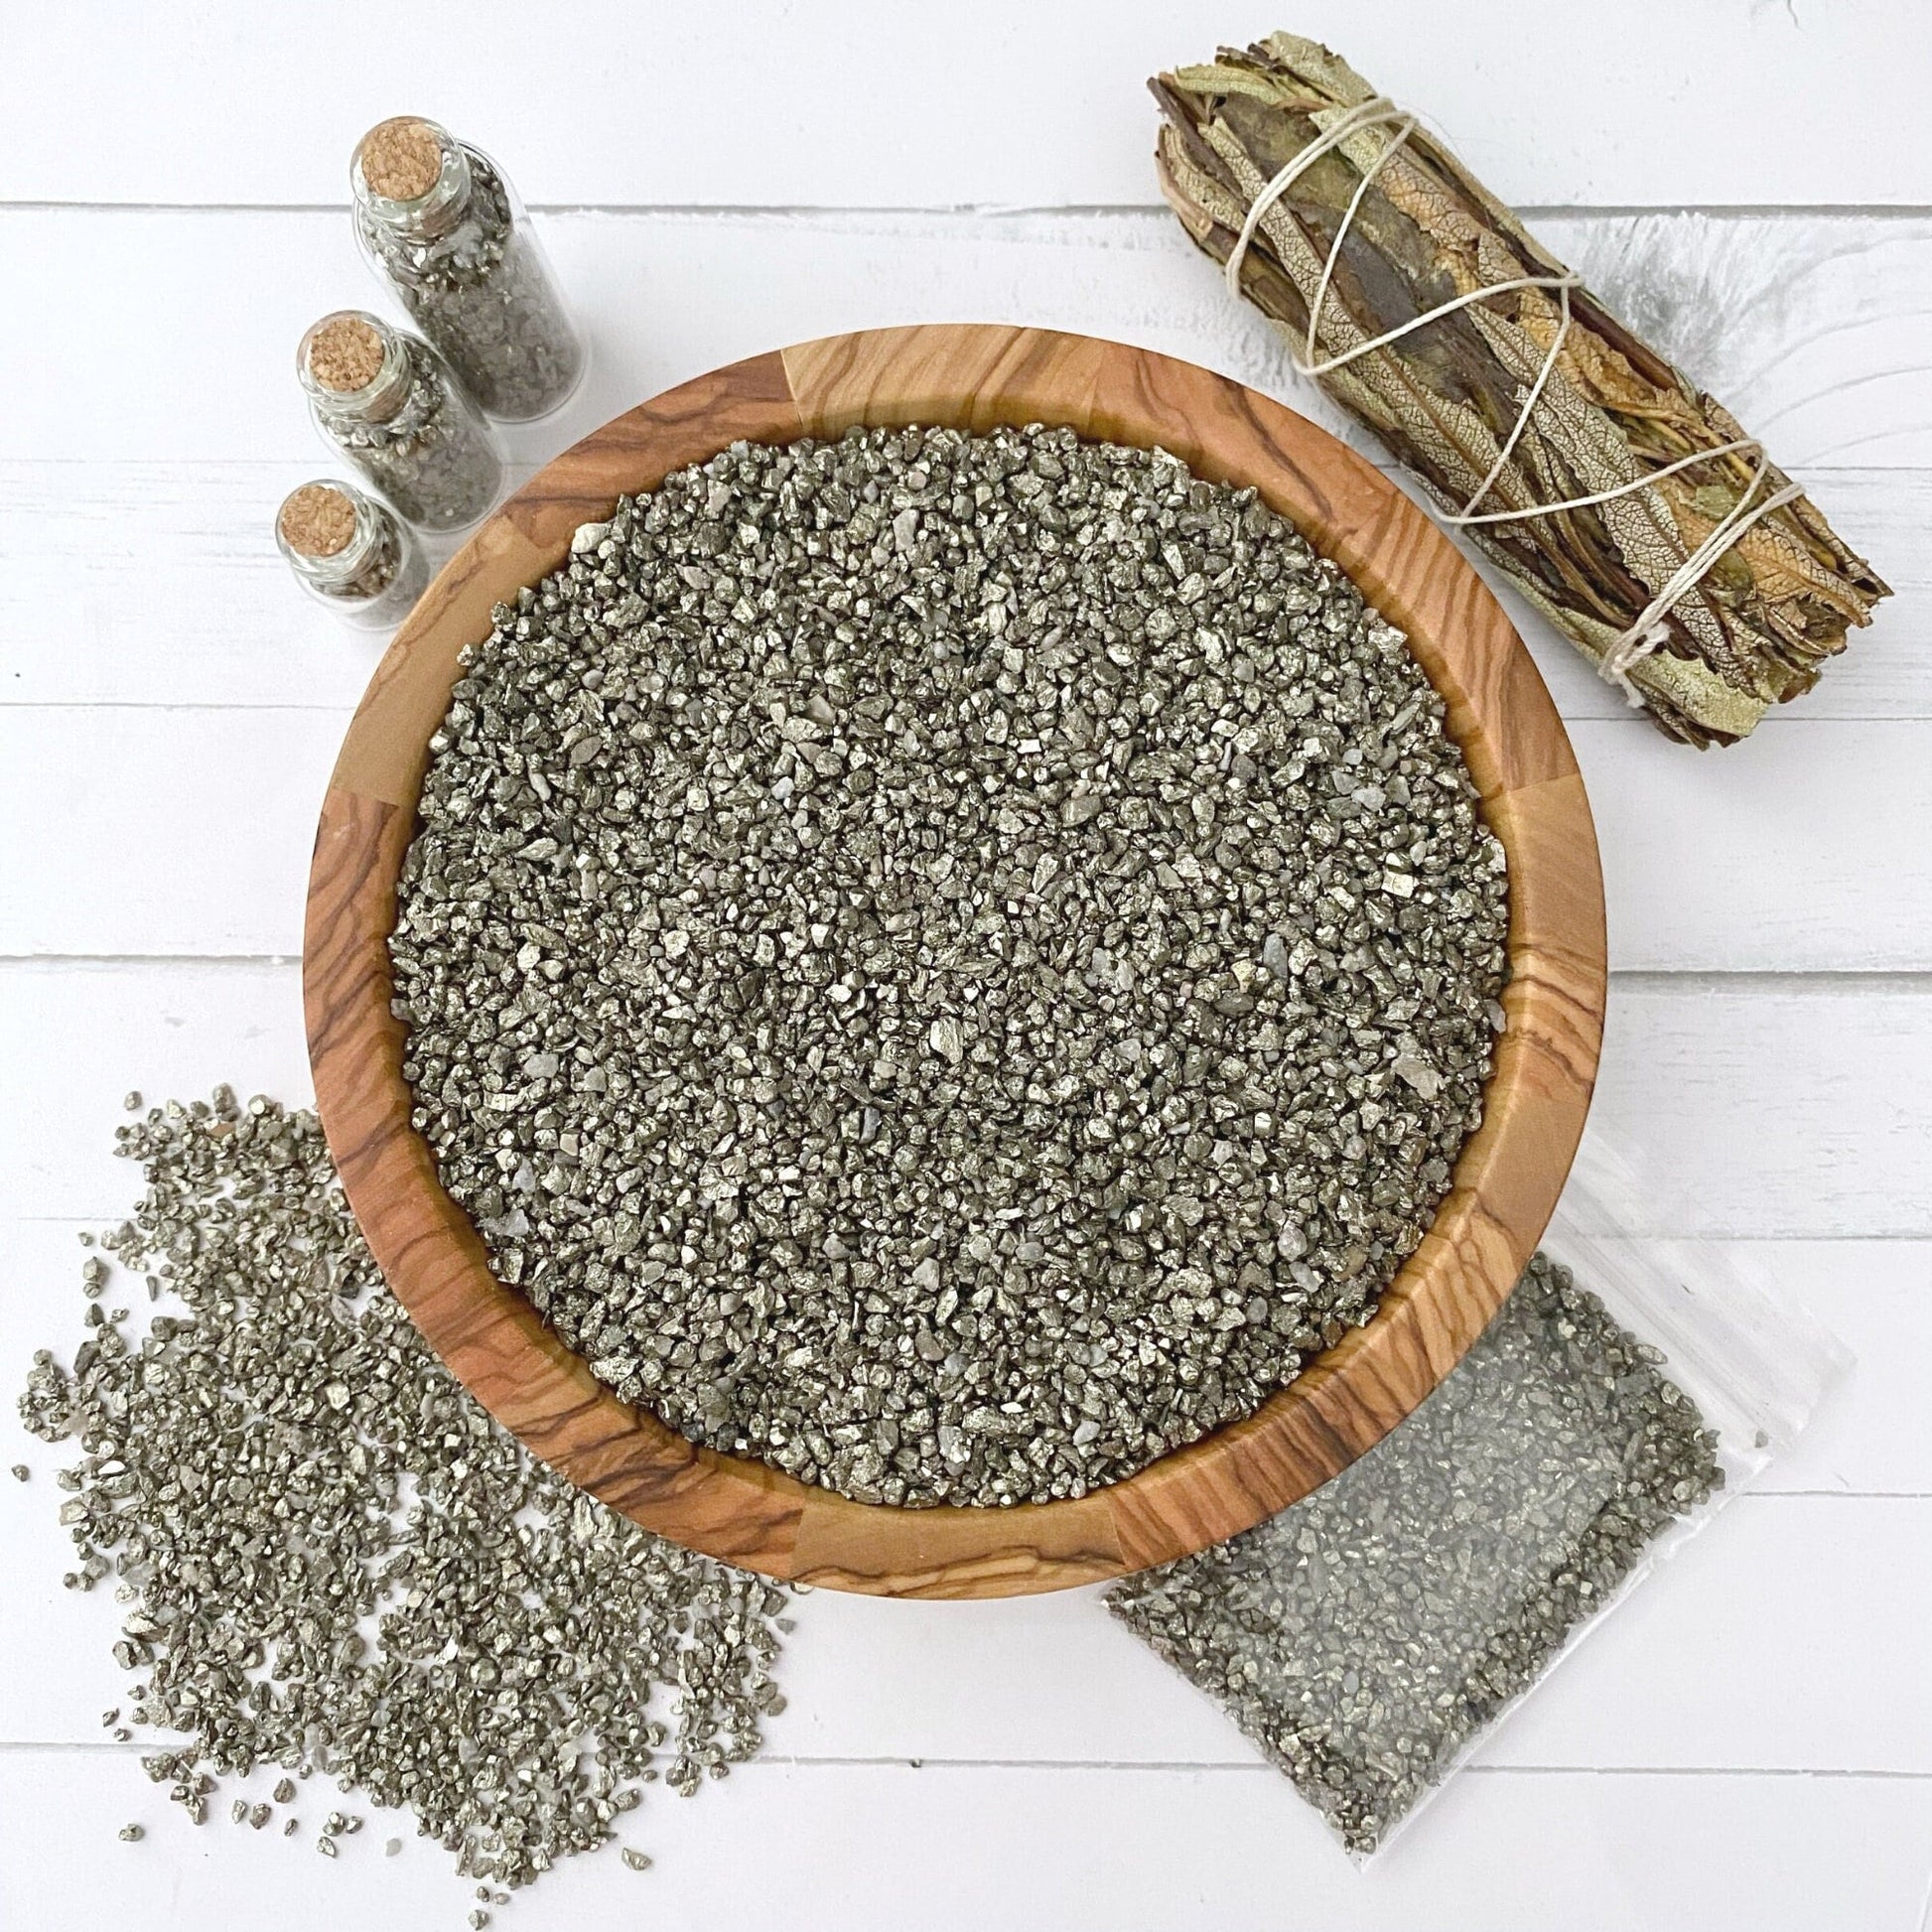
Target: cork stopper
{"points": [[401, 159], [344, 355], [316, 520]]}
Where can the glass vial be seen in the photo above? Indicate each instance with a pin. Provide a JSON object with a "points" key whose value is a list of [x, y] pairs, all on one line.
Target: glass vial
{"points": [[444, 229], [347, 551], [389, 404]]}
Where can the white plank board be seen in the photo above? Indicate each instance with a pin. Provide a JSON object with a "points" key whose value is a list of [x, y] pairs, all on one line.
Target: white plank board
{"points": [[1766, 1109], [1782, 853], [870, 103], [139, 801], [1796, 1592], [1805, 1587], [1772, 1108], [822, 1847], [143, 582], [1781, 1592], [1876, 1297], [1811, 327], [73, 1039], [1786, 1591], [159, 583]]}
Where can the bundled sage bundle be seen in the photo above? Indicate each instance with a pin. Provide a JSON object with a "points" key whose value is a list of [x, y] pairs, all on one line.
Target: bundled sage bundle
{"points": [[1628, 507]]}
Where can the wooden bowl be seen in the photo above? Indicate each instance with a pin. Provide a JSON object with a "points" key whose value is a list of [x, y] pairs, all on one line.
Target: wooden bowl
{"points": [[1505, 1183]]}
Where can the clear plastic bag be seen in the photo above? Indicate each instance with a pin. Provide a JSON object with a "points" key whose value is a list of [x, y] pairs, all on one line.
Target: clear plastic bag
{"points": [[1368, 1637]]}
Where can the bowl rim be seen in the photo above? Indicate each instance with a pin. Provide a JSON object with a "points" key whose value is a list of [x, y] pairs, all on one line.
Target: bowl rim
{"points": [[1506, 1178]]}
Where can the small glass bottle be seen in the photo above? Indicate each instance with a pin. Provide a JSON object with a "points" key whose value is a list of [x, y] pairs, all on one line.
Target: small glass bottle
{"points": [[350, 553], [389, 404], [443, 228]]}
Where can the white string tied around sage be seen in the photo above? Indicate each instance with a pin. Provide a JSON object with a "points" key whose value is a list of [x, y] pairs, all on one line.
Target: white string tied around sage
{"points": [[1649, 632]]}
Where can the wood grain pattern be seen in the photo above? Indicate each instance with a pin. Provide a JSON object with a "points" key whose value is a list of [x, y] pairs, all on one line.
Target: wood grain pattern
{"points": [[1506, 1181]]}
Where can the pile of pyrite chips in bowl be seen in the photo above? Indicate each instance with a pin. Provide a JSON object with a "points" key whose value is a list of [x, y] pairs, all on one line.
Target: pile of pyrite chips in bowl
{"points": [[954, 961]]}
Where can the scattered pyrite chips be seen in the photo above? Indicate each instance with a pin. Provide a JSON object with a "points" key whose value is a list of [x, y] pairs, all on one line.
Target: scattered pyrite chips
{"points": [[331, 1559], [1366, 1636], [948, 964]]}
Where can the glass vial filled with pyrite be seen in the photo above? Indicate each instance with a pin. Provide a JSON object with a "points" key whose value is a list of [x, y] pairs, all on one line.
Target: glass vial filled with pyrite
{"points": [[389, 404], [444, 229], [349, 552]]}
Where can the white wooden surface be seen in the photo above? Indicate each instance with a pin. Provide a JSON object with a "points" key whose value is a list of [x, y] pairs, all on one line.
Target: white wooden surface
{"points": [[1748, 1743]]}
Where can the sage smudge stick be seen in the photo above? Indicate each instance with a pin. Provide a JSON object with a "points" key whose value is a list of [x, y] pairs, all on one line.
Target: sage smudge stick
{"points": [[1395, 226]]}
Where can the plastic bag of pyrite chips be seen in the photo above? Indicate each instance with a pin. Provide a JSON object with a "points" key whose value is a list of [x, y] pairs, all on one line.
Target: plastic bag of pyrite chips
{"points": [[1368, 1637]]}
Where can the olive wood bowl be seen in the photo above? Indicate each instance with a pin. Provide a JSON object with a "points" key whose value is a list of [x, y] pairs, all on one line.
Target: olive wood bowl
{"points": [[1505, 1182]]}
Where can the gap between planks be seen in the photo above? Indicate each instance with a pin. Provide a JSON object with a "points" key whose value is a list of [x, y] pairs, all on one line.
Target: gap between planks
{"points": [[1086, 211], [1159, 1767]]}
